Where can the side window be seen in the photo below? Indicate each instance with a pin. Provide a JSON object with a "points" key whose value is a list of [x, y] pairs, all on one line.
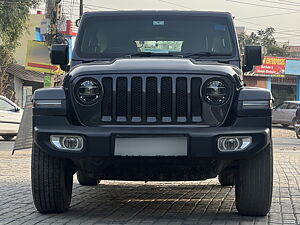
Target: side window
{"points": [[282, 106], [4, 105], [292, 106]]}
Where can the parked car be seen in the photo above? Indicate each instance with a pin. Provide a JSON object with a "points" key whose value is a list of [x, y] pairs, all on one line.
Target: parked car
{"points": [[285, 113], [10, 118]]}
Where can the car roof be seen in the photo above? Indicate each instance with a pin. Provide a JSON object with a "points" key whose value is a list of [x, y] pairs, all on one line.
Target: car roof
{"points": [[8, 100], [158, 12], [293, 102]]}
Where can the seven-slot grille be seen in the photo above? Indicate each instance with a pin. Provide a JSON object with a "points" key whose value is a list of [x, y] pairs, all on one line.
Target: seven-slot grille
{"points": [[151, 99]]}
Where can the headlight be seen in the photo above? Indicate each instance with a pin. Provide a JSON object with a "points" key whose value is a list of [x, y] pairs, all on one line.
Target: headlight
{"points": [[215, 92], [88, 91]]}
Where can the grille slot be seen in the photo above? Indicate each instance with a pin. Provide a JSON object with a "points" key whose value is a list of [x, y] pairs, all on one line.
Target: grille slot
{"points": [[136, 99], [151, 99], [196, 103], [166, 99], [121, 94], [181, 99], [107, 99]]}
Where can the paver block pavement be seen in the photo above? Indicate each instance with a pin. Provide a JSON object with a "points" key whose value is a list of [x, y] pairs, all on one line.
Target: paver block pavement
{"points": [[115, 202]]}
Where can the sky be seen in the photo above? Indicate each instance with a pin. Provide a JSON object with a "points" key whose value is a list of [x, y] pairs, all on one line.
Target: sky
{"points": [[283, 15]]}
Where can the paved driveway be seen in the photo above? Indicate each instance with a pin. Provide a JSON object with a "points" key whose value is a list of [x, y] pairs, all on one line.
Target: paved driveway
{"points": [[151, 203]]}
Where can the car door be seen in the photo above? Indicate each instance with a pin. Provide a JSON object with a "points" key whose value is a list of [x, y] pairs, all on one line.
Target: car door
{"points": [[290, 113], [278, 113], [10, 118]]}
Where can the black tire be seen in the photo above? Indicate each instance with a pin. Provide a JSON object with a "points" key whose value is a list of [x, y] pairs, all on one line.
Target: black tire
{"points": [[285, 125], [294, 122], [8, 137], [84, 179], [51, 182], [298, 134], [227, 177], [254, 183]]}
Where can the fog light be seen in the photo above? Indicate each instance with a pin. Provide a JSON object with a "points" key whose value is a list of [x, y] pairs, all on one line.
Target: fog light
{"points": [[73, 143], [234, 143]]}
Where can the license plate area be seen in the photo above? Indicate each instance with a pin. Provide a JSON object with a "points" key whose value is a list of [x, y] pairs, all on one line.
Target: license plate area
{"points": [[151, 146]]}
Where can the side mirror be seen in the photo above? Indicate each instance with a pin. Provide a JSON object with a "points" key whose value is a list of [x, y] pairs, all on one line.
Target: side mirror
{"points": [[253, 57], [59, 55], [17, 109]]}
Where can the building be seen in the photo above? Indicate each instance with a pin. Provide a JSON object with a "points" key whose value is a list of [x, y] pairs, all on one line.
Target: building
{"points": [[32, 33], [32, 57], [294, 51], [25, 82], [240, 29], [278, 74]]}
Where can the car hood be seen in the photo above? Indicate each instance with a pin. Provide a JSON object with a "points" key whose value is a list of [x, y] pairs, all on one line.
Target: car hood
{"points": [[152, 65]]}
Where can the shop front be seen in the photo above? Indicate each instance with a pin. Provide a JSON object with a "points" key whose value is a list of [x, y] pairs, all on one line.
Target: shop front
{"points": [[284, 89], [278, 74]]}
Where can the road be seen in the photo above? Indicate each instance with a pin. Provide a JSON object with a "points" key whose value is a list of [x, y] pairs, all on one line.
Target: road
{"points": [[6, 145], [114, 202]]}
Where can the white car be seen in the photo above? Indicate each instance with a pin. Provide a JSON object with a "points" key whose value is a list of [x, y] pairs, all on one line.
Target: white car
{"points": [[10, 118], [285, 113]]}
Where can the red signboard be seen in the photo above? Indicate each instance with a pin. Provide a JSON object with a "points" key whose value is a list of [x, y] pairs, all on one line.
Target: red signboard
{"points": [[271, 66]]}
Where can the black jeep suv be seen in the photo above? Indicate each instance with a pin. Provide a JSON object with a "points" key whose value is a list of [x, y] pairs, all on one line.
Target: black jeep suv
{"points": [[153, 96]]}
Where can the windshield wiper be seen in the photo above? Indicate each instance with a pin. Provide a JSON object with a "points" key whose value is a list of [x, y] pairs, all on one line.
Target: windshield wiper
{"points": [[205, 54], [149, 54]]}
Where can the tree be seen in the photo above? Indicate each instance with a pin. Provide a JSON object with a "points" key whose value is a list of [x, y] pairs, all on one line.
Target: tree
{"points": [[278, 50], [245, 39], [13, 17], [266, 39]]}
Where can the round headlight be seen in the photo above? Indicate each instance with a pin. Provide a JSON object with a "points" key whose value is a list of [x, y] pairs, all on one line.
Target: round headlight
{"points": [[215, 92], [89, 91]]}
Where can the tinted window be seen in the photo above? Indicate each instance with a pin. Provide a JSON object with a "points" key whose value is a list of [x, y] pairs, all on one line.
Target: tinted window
{"points": [[109, 36], [282, 106], [292, 106], [4, 105]]}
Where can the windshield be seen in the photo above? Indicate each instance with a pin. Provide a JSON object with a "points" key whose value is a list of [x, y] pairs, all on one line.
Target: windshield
{"points": [[115, 36]]}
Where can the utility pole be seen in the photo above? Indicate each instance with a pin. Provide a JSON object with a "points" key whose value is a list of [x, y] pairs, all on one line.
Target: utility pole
{"points": [[52, 14], [81, 8]]}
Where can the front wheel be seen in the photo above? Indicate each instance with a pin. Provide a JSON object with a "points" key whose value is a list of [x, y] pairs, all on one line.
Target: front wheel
{"points": [[254, 182], [51, 182]]}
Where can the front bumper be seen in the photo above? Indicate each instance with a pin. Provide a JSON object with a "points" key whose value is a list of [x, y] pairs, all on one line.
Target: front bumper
{"points": [[202, 141]]}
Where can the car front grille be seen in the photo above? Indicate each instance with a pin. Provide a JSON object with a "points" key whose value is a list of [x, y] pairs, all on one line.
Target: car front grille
{"points": [[151, 99]]}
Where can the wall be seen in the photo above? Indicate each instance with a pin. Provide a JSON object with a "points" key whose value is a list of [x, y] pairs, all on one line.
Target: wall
{"points": [[255, 81], [29, 34], [18, 86]]}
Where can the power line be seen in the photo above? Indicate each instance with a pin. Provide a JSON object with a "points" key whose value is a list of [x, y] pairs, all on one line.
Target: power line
{"points": [[270, 15], [95, 6], [283, 31], [99, 7], [287, 1], [178, 5], [281, 3], [259, 5]]}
